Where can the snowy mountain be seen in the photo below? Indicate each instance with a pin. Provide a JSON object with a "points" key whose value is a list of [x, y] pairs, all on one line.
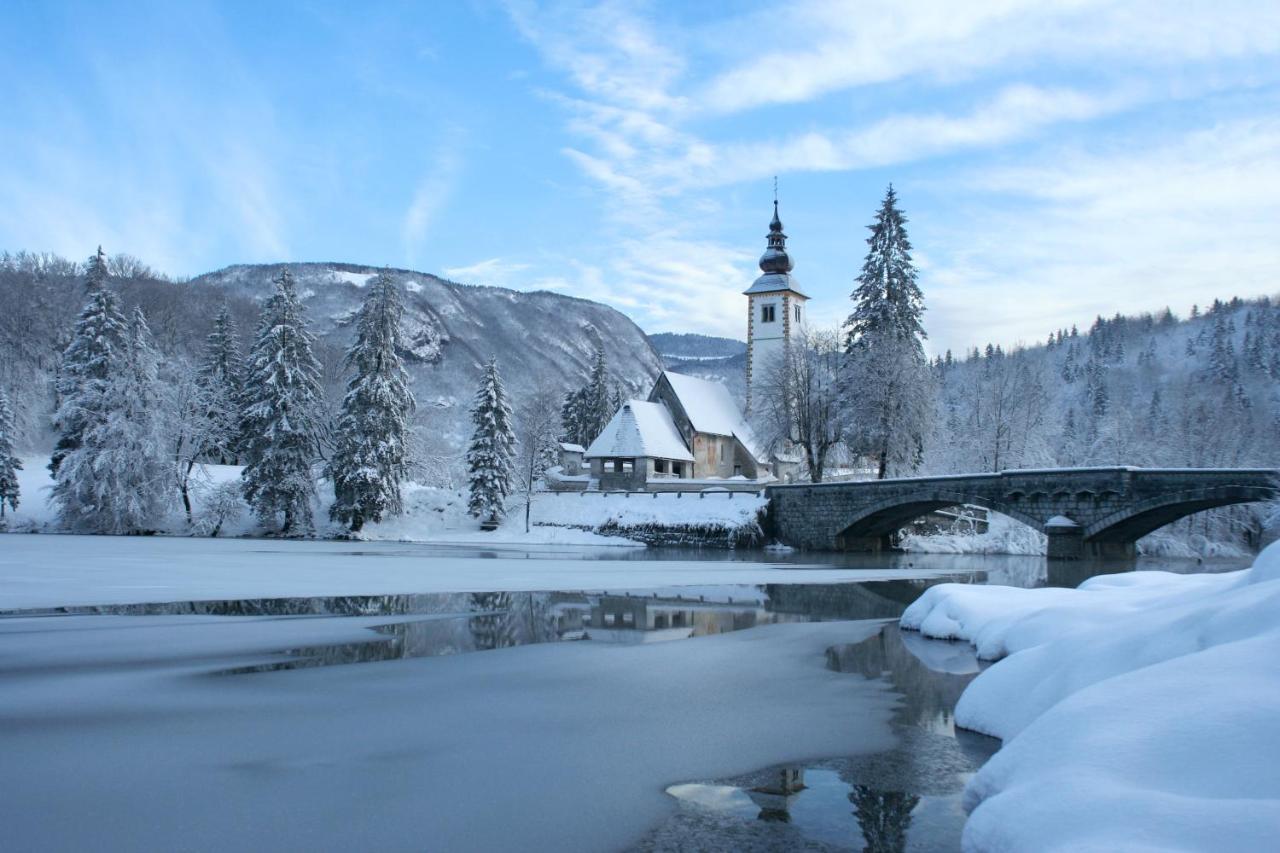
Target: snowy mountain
{"points": [[718, 359], [671, 345], [452, 329]]}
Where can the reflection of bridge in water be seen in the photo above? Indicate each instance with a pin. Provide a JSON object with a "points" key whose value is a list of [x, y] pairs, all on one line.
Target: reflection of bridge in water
{"points": [[1084, 511]]}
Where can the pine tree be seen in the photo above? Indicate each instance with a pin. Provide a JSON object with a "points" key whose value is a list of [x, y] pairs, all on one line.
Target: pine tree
{"points": [[887, 387], [98, 340], [490, 457], [572, 422], [10, 465], [220, 379], [887, 300], [587, 411], [1222, 351], [597, 409], [280, 413], [372, 457], [116, 480]]}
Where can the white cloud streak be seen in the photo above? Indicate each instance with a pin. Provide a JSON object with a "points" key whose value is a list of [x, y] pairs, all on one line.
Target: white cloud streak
{"points": [[647, 95]]}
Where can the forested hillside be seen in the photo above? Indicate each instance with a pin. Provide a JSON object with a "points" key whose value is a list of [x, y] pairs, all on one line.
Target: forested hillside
{"points": [[451, 331], [1150, 390]]}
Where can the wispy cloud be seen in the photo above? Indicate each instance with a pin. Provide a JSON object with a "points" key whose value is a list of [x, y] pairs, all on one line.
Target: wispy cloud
{"points": [[1147, 223], [494, 272], [654, 105], [824, 46], [432, 194]]}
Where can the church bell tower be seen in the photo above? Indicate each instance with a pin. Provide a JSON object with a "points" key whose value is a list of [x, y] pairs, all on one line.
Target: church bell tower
{"points": [[775, 309]]}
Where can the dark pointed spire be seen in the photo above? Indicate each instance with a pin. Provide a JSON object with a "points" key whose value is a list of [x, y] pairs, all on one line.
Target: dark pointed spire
{"points": [[775, 258]]}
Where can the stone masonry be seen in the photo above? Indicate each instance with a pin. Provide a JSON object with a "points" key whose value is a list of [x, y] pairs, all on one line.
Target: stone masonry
{"points": [[1084, 511]]}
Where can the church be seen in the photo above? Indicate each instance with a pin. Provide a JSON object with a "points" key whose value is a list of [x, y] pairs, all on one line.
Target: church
{"points": [[689, 433]]}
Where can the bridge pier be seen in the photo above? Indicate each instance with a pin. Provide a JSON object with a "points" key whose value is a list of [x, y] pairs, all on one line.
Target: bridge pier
{"points": [[1066, 539]]}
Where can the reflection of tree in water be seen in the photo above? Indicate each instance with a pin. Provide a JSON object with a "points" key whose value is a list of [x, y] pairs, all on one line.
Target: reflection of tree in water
{"points": [[495, 628], [884, 817]]}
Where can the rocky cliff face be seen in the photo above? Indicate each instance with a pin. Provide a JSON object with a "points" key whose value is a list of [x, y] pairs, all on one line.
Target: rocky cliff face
{"points": [[452, 329]]}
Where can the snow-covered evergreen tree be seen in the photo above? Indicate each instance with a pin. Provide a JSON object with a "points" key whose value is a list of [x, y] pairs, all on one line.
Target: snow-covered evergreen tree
{"points": [[587, 411], [572, 423], [888, 387], [119, 477], [490, 456], [97, 342], [220, 379], [372, 456], [887, 300], [280, 412], [10, 465]]}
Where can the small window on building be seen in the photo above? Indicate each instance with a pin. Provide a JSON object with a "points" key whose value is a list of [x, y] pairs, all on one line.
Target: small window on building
{"points": [[628, 465], [767, 313], [659, 466], [677, 468], [797, 313], [737, 470], [610, 619], [628, 618]]}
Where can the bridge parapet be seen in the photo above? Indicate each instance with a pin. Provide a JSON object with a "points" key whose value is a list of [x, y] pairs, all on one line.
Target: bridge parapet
{"points": [[1112, 506]]}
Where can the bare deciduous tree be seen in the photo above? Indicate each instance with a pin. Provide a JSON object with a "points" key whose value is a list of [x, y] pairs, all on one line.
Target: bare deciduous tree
{"points": [[800, 400], [537, 433]]}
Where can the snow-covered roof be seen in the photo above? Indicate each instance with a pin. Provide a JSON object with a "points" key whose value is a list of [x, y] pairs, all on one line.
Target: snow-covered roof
{"points": [[711, 409], [569, 447], [640, 429], [772, 282]]}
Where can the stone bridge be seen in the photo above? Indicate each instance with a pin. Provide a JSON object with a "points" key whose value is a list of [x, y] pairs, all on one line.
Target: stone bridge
{"points": [[1084, 511]]}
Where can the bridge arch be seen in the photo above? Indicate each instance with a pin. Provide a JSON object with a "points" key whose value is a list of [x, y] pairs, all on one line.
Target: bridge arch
{"points": [[1142, 517], [884, 518]]}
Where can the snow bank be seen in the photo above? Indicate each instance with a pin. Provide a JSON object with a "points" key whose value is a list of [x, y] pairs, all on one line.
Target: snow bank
{"points": [[440, 516], [598, 509], [1004, 536], [1138, 711]]}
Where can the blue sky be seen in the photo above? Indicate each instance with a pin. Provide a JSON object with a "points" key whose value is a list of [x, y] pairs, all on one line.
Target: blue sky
{"points": [[1056, 160]]}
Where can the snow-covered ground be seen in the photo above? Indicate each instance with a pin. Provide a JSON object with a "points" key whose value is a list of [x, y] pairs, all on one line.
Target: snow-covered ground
{"points": [[439, 515], [1139, 711]]}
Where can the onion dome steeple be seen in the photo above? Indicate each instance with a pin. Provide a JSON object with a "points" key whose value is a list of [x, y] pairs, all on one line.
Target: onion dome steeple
{"points": [[775, 263], [775, 257]]}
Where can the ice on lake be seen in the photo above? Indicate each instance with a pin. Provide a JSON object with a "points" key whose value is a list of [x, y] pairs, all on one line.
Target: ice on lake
{"points": [[336, 697]]}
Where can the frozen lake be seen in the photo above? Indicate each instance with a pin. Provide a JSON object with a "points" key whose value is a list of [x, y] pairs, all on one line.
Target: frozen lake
{"points": [[185, 694]]}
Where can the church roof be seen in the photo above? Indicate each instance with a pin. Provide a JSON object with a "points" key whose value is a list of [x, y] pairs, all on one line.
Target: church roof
{"points": [[774, 282], [640, 429], [711, 409], [775, 263]]}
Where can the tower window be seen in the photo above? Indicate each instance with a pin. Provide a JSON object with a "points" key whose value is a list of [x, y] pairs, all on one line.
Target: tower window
{"points": [[797, 313], [766, 313]]}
